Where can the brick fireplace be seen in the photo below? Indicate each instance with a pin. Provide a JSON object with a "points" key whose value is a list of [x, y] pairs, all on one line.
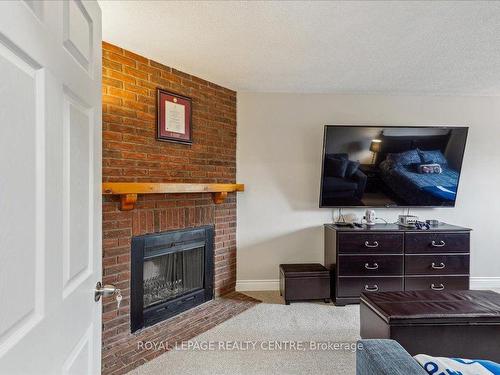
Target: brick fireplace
{"points": [[132, 154]]}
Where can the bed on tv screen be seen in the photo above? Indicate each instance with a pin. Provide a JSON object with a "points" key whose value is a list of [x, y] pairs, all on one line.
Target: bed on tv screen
{"points": [[382, 166]]}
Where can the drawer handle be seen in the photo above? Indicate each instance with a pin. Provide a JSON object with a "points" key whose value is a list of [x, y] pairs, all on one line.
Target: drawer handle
{"points": [[437, 287], [438, 267], [375, 244], [371, 288], [440, 244], [374, 267]]}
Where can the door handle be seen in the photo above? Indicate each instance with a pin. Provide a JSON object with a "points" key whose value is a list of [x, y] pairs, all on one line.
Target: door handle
{"points": [[375, 244], [104, 290]]}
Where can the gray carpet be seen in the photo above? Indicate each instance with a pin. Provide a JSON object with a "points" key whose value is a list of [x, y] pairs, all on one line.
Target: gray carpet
{"points": [[263, 325]]}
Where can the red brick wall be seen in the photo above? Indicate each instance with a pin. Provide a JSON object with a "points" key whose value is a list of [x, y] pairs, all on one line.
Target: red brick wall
{"points": [[131, 153]]}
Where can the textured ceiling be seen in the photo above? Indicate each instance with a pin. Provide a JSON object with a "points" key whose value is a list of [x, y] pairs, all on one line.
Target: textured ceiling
{"points": [[419, 47]]}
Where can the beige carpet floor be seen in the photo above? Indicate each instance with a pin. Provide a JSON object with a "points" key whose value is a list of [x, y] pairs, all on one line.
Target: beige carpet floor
{"points": [[257, 330]]}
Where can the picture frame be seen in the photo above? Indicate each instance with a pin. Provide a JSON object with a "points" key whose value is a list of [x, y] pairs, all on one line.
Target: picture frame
{"points": [[174, 115]]}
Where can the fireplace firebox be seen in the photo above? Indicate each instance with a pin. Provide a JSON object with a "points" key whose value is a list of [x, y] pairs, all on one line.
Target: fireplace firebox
{"points": [[171, 273]]}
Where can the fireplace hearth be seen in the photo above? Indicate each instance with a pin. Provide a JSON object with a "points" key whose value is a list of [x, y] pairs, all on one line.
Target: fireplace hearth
{"points": [[171, 273]]}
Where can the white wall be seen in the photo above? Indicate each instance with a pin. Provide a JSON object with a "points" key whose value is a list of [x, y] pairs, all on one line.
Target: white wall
{"points": [[279, 159]]}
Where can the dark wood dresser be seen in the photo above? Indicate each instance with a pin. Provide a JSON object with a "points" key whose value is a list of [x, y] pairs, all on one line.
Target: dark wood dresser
{"points": [[387, 257]]}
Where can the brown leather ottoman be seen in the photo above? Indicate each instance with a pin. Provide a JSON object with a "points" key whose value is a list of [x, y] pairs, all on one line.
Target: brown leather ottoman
{"points": [[464, 324], [304, 281]]}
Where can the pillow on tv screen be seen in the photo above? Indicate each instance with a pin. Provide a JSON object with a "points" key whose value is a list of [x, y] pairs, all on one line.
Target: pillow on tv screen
{"points": [[429, 168], [336, 167], [352, 167], [432, 157], [410, 157]]}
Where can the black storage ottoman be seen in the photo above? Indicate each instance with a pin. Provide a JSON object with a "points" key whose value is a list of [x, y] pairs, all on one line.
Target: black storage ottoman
{"points": [[304, 281]]}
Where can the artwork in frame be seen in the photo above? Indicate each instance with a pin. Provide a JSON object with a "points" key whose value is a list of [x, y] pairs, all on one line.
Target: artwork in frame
{"points": [[174, 117]]}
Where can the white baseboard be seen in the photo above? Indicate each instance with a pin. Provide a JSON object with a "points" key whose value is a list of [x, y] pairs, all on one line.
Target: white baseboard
{"points": [[485, 282], [266, 285], [257, 285]]}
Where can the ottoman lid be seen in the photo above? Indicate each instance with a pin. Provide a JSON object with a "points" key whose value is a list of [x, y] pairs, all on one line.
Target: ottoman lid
{"points": [[304, 269], [428, 306]]}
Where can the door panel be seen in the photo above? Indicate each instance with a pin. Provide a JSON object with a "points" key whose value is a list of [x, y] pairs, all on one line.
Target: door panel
{"points": [[77, 155], [78, 35], [21, 204], [50, 186]]}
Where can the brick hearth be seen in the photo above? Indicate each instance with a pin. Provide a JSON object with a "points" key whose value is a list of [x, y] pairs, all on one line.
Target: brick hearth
{"points": [[127, 354], [132, 154]]}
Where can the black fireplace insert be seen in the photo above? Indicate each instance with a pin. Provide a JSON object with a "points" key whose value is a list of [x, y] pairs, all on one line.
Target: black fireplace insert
{"points": [[171, 272]]}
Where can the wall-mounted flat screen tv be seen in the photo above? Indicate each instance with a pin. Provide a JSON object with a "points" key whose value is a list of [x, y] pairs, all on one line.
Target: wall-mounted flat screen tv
{"points": [[388, 166]]}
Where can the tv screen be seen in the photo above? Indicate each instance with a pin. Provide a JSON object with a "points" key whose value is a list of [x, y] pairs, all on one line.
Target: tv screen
{"points": [[381, 166]]}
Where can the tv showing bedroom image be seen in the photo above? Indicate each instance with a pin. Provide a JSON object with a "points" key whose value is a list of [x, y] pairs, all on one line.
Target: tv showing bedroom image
{"points": [[389, 166]]}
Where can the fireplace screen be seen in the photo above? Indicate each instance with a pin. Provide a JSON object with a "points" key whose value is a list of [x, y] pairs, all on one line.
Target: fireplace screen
{"points": [[171, 275], [171, 272]]}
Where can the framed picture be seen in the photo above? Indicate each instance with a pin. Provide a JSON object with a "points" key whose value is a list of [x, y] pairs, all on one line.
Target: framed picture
{"points": [[173, 118]]}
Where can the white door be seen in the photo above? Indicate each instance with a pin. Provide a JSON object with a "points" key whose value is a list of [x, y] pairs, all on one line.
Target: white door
{"points": [[50, 194]]}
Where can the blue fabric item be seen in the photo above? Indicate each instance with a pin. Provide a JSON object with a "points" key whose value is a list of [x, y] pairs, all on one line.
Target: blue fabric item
{"points": [[336, 167], [447, 193], [339, 184], [420, 189], [448, 177], [352, 167], [410, 157], [385, 357], [433, 157], [457, 366], [491, 366]]}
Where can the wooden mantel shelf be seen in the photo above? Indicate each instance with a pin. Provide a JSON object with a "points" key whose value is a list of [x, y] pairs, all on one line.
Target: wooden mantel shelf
{"points": [[128, 191]]}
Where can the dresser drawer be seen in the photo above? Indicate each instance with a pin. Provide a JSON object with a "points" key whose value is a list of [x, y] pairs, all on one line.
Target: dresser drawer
{"points": [[371, 243], [354, 286], [437, 242], [370, 265], [437, 283], [437, 264]]}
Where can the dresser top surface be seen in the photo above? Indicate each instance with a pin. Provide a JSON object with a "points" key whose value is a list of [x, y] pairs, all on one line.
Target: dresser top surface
{"points": [[442, 227]]}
